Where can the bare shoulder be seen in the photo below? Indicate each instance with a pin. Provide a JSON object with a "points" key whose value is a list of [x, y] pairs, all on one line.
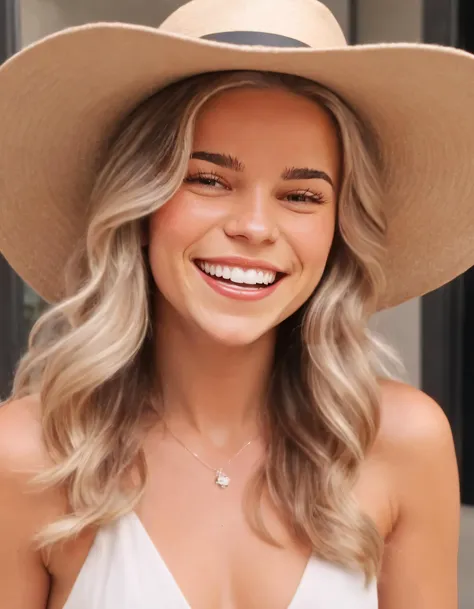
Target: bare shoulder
{"points": [[22, 455], [415, 449], [411, 421], [21, 446], [416, 446], [22, 510]]}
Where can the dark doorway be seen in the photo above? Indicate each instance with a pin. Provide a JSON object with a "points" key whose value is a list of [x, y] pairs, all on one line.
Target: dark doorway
{"points": [[466, 25], [467, 478]]}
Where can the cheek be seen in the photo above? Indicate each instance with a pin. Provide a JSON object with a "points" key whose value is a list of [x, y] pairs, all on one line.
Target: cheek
{"points": [[174, 232], [182, 221], [169, 235], [169, 226], [312, 243]]}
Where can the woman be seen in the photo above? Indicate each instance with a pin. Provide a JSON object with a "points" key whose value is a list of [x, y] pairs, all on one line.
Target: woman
{"points": [[202, 408]]}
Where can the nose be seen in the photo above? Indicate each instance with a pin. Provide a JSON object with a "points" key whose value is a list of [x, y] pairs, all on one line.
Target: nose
{"points": [[253, 220]]}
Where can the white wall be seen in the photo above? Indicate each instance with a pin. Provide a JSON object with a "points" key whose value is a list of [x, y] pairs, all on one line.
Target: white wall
{"points": [[41, 17], [378, 20], [340, 9], [390, 20]]}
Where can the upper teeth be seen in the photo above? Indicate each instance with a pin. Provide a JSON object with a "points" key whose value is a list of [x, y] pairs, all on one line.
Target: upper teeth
{"points": [[237, 274]]}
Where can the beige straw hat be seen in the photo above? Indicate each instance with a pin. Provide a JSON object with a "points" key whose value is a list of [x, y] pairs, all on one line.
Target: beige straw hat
{"points": [[62, 96]]}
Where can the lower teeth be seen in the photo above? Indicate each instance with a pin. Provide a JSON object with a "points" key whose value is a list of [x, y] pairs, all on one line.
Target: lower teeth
{"points": [[240, 285]]}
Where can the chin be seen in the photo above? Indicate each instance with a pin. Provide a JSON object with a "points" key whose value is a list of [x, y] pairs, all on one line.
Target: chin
{"points": [[236, 333]]}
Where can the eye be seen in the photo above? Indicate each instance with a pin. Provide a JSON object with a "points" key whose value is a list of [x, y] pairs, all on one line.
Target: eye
{"points": [[210, 180], [306, 196]]}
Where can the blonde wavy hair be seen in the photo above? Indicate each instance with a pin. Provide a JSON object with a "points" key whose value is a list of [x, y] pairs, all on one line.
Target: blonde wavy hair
{"points": [[90, 357]]}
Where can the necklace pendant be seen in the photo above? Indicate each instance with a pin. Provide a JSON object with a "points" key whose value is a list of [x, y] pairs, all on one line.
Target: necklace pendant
{"points": [[222, 479]]}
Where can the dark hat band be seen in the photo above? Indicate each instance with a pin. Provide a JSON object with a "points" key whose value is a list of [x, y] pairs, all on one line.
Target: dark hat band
{"points": [[255, 38]]}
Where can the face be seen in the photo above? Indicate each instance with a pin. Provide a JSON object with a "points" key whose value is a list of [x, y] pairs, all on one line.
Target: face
{"points": [[244, 242]]}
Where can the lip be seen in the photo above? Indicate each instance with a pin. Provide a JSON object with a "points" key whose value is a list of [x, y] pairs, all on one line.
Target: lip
{"points": [[235, 292], [245, 263]]}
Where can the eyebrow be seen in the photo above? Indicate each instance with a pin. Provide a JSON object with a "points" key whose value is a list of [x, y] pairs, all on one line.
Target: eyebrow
{"points": [[223, 160], [228, 161], [305, 173]]}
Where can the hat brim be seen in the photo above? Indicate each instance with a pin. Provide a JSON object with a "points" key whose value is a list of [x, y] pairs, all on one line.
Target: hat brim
{"points": [[61, 98]]}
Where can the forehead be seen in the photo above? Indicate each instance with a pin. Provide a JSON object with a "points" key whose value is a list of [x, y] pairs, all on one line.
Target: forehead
{"points": [[270, 120]]}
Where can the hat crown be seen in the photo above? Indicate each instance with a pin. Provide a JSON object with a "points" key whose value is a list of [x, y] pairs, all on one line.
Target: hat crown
{"points": [[307, 21]]}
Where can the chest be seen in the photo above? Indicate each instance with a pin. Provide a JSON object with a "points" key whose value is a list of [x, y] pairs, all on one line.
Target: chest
{"points": [[194, 539], [124, 569]]}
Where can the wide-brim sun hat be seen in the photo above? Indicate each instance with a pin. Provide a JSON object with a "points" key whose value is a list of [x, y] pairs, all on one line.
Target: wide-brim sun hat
{"points": [[62, 97]]}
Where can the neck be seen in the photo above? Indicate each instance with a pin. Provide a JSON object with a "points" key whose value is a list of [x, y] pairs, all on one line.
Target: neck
{"points": [[216, 390]]}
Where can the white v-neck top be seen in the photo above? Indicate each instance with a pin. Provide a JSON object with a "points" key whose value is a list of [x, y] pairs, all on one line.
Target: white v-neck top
{"points": [[124, 570]]}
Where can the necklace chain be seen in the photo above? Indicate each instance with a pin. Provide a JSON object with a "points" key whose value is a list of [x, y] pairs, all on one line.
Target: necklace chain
{"points": [[221, 479]]}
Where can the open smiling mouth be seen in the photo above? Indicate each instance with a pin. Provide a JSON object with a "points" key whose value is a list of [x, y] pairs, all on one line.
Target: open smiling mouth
{"points": [[239, 282]]}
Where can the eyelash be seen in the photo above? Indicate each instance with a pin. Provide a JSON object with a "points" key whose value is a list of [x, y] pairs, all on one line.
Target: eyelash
{"points": [[200, 177], [314, 197]]}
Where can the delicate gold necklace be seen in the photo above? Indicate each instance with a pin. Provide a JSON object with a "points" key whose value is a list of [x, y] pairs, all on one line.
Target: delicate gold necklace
{"points": [[221, 478]]}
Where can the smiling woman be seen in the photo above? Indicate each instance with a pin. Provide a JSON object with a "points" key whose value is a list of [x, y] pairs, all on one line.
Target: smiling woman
{"points": [[203, 405], [251, 210]]}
